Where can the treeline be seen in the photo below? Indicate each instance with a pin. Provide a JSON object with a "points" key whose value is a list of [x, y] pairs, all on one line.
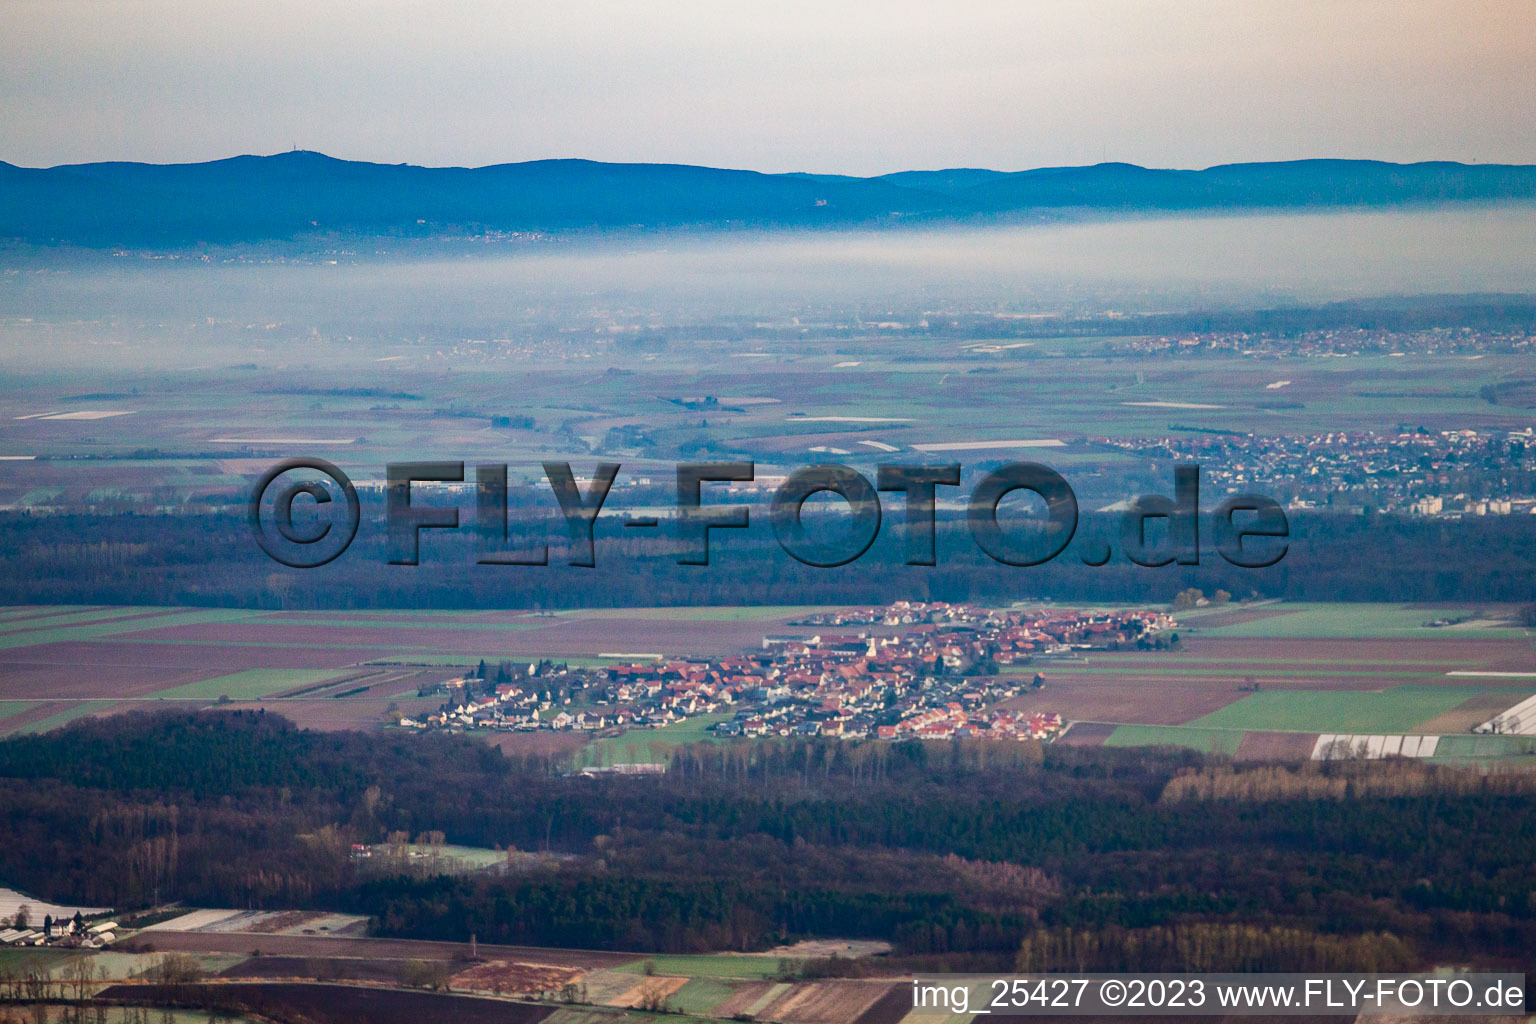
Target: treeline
{"points": [[1222, 948], [211, 560], [1343, 781], [679, 915], [964, 855]]}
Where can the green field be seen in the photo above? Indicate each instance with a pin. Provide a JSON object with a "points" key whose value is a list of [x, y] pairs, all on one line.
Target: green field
{"points": [[68, 715], [701, 995], [1470, 746], [30, 611], [120, 966], [1176, 668], [763, 613], [468, 856], [1397, 710], [706, 966], [340, 620], [1207, 741], [426, 659], [251, 684], [642, 746], [1091, 662], [277, 645], [14, 707], [74, 618], [90, 631], [15, 961], [1356, 621], [410, 613]]}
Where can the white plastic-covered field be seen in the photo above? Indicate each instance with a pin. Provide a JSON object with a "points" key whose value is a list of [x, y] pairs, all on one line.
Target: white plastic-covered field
{"points": [[195, 921], [1519, 720], [263, 922], [1347, 747], [12, 901]]}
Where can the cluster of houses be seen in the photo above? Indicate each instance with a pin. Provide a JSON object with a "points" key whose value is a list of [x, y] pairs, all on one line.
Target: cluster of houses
{"points": [[903, 613], [71, 934], [1450, 473], [908, 670], [953, 721], [498, 705]]}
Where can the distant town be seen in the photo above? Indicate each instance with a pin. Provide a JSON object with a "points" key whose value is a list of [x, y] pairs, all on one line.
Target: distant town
{"points": [[1447, 474], [1331, 343]]}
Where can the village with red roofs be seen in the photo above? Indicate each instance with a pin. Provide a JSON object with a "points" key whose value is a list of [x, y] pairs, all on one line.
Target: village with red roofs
{"points": [[909, 670]]}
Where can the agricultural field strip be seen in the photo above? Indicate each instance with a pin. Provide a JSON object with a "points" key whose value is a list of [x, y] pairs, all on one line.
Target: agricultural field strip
{"points": [[92, 631], [631, 747], [1321, 710], [1210, 741], [79, 710], [1113, 659], [251, 683], [774, 994], [11, 901], [48, 611], [370, 646], [247, 684], [1469, 745], [9, 626], [155, 698], [1397, 710], [400, 613], [1189, 726], [168, 940], [711, 613], [1248, 631], [193, 920], [32, 611], [752, 967], [701, 995], [352, 674], [1362, 620], [1256, 668], [446, 658], [344, 623], [369, 654], [1345, 623], [35, 615]]}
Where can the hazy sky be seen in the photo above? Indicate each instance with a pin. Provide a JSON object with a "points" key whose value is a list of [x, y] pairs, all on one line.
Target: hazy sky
{"points": [[852, 86]]}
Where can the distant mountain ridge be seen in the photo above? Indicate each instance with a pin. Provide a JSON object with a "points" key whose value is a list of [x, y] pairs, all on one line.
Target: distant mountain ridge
{"points": [[292, 195]]}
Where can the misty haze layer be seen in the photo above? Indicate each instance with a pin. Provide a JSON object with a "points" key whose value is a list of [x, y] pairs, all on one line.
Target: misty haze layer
{"points": [[1132, 265]]}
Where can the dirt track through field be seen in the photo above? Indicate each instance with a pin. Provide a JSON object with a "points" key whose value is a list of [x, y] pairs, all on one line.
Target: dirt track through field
{"points": [[394, 949]]}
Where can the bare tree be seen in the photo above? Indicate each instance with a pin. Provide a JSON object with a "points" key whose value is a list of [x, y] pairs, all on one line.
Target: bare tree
{"points": [[653, 997]]}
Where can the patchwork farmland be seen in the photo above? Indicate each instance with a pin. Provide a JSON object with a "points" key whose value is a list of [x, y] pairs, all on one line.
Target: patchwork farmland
{"points": [[1261, 682], [244, 946], [328, 670], [1265, 682]]}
